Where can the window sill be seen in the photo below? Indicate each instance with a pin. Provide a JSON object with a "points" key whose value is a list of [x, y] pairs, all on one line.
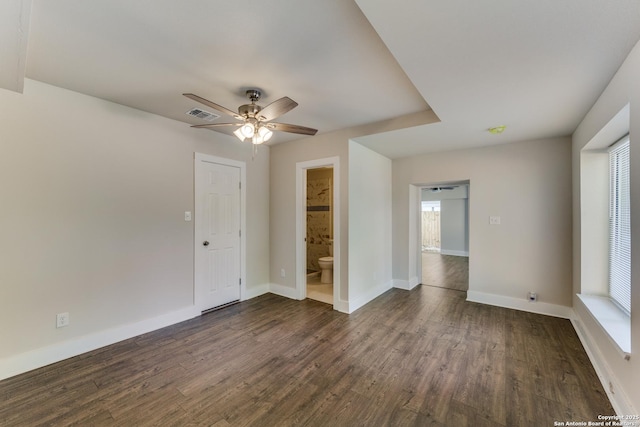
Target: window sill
{"points": [[612, 319]]}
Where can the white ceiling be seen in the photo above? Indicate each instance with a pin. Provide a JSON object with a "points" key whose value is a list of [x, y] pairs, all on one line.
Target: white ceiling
{"points": [[146, 53], [534, 66]]}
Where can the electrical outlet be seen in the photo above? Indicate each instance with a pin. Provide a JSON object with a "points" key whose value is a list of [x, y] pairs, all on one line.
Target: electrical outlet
{"points": [[494, 220], [187, 216], [282, 272], [62, 320]]}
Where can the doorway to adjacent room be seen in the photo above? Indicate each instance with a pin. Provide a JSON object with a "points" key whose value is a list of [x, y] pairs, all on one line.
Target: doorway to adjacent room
{"points": [[445, 236]]}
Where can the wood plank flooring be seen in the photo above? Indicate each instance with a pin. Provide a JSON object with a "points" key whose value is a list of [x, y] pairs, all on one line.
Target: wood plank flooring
{"points": [[445, 271], [421, 358]]}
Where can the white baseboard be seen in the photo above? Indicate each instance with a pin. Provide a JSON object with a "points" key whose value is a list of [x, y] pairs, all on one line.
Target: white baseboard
{"points": [[283, 291], [520, 304], [341, 305], [407, 285], [370, 295], [255, 291], [287, 292], [454, 253], [619, 400], [24, 362]]}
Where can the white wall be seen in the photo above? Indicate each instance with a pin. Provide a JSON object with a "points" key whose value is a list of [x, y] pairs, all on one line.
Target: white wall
{"points": [[453, 227], [528, 185], [454, 212], [92, 221], [282, 227], [369, 225], [623, 90]]}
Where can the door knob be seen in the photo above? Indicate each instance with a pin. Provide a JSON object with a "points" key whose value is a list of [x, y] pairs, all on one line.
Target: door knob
{"points": [[205, 243]]}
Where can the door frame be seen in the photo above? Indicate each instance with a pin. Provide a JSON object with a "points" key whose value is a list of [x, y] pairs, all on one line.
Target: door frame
{"points": [[415, 227], [199, 159], [301, 225]]}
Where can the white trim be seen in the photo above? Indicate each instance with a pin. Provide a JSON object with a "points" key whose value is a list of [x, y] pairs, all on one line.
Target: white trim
{"points": [[414, 281], [619, 400], [415, 224], [255, 291], [340, 305], [520, 304], [454, 253], [287, 292], [199, 158], [284, 291], [369, 296], [301, 225], [612, 319], [415, 232], [407, 285], [44, 356]]}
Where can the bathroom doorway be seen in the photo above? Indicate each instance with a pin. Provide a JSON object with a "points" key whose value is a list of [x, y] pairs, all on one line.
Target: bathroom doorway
{"points": [[317, 231], [320, 234]]}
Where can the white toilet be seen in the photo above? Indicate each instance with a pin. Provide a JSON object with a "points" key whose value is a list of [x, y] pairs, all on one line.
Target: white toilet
{"points": [[326, 266]]}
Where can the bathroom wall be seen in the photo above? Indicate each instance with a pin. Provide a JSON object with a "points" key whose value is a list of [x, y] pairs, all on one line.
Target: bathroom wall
{"points": [[319, 211]]}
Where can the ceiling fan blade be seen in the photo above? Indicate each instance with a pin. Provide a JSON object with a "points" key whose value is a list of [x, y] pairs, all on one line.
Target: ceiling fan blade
{"points": [[212, 105], [276, 109], [284, 127], [215, 125]]}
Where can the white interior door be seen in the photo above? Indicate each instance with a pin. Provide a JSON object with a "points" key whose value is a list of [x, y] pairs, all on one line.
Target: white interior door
{"points": [[218, 242]]}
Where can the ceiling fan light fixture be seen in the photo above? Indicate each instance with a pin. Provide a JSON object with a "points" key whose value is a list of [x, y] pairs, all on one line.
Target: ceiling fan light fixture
{"points": [[264, 133], [247, 130], [239, 134], [257, 139]]}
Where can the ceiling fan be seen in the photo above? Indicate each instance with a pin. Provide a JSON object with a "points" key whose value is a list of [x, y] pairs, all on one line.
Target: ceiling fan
{"points": [[255, 121], [439, 189]]}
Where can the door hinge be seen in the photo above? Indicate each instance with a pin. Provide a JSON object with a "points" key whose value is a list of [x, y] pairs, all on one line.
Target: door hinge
{"points": [[240, 185], [239, 233], [240, 281]]}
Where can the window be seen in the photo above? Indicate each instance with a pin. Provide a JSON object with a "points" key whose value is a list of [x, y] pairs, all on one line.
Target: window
{"points": [[620, 225]]}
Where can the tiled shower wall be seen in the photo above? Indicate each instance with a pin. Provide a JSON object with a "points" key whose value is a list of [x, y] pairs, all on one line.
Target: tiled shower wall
{"points": [[319, 215]]}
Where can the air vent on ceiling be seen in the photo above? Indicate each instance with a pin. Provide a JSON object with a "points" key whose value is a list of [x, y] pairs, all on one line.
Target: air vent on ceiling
{"points": [[202, 114]]}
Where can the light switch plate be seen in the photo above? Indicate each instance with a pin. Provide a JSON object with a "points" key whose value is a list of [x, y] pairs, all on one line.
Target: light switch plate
{"points": [[494, 220], [187, 216]]}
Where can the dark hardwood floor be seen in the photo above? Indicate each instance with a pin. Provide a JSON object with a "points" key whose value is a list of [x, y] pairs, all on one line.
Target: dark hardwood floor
{"points": [[419, 358], [445, 271]]}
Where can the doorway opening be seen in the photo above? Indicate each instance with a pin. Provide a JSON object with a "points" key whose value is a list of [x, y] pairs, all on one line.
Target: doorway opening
{"points": [[317, 229], [431, 226], [445, 235], [319, 232]]}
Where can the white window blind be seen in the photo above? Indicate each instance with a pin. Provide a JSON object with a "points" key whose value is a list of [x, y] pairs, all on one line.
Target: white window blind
{"points": [[620, 225]]}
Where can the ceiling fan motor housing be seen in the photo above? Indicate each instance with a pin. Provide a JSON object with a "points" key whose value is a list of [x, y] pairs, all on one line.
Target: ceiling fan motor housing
{"points": [[249, 110]]}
